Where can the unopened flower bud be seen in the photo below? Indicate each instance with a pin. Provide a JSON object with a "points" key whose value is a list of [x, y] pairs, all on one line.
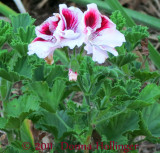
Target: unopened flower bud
{"points": [[72, 75]]}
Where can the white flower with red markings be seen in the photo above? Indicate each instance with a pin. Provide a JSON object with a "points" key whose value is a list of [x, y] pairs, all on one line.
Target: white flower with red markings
{"points": [[101, 35], [69, 30], [62, 29], [71, 27], [45, 43], [72, 75]]}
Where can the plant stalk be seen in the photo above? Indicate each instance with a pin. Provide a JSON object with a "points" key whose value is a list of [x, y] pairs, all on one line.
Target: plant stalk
{"points": [[6, 11]]}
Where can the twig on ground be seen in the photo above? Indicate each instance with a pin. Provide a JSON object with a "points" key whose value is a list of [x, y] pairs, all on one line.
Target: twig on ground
{"points": [[20, 6], [41, 4]]}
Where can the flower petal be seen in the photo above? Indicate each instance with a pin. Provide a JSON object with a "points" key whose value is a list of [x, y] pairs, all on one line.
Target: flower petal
{"points": [[92, 17], [106, 23], [109, 49], [71, 35], [88, 48], [43, 31], [53, 22], [110, 37], [72, 17], [41, 47], [99, 55], [71, 39]]}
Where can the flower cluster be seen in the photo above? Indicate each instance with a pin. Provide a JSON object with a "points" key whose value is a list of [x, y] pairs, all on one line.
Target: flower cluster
{"points": [[71, 27]]}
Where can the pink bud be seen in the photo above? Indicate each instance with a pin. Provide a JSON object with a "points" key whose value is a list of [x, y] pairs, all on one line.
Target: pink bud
{"points": [[72, 75]]}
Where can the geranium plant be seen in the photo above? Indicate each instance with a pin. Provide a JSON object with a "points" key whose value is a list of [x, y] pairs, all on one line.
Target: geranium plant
{"points": [[119, 94]]}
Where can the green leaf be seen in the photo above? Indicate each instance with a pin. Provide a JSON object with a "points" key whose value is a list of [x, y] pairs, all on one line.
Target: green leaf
{"points": [[151, 117], [150, 93], [2, 40], [18, 109], [118, 19], [5, 56], [139, 104], [148, 96], [146, 75], [38, 73], [131, 87], [23, 68], [4, 88], [58, 123], [5, 32], [4, 27], [52, 98], [123, 59], [56, 72], [105, 115], [27, 35], [21, 21], [74, 109], [10, 76], [118, 90], [3, 123], [119, 125], [154, 55], [61, 56], [134, 35], [20, 47], [26, 133]]}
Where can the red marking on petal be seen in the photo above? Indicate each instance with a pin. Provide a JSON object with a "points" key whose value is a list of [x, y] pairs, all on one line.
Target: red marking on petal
{"points": [[44, 29], [91, 18], [104, 24], [55, 23], [71, 19], [38, 39]]}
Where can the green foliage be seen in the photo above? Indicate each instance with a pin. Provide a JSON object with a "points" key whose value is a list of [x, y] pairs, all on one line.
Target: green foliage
{"points": [[17, 110], [119, 125], [145, 75], [150, 117], [59, 124], [5, 32], [52, 98], [118, 19], [60, 54], [21, 21], [123, 59], [134, 35]]}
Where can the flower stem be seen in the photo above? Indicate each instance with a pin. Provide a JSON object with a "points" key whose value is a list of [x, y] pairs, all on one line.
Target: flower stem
{"points": [[5, 10]]}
